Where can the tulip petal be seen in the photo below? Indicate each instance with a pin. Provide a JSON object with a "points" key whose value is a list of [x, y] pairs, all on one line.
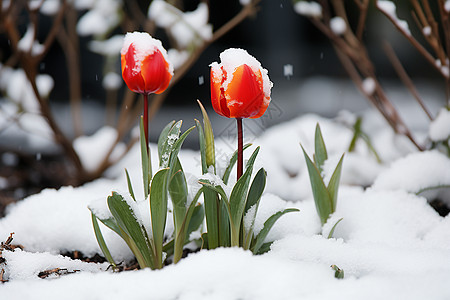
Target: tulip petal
{"points": [[130, 75], [155, 72], [244, 94]]}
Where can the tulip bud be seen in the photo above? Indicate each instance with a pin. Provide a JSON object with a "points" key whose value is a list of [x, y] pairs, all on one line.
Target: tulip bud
{"points": [[145, 67], [240, 87]]}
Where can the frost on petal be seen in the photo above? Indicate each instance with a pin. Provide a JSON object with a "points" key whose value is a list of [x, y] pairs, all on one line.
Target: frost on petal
{"points": [[232, 58], [144, 46], [440, 127], [338, 25], [308, 9], [389, 8]]}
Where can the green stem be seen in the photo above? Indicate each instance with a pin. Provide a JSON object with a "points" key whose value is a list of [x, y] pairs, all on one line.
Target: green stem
{"points": [[146, 119]]}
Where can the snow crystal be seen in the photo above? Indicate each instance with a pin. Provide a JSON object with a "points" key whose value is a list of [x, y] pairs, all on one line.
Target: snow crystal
{"points": [[232, 58], [440, 127], [186, 27], [308, 9], [389, 8], [338, 25], [50, 7], [112, 81], [288, 70], [369, 85], [28, 43], [144, 45], [424, 170], [109, 47]]}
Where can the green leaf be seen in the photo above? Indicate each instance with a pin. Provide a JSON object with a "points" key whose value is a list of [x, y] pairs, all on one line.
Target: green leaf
{"points": [[168, 144], [101, 241], [211, 201], [146, 163], [356, 133], [268, 224], [330, 235], [254, 195], [127, 223], [158, 212], [233, 160], [320, 155], [163, 137], [264, 248], [322, 198], [238, 199], [209, 138], [338, 273], [198, 215], [130, 186], [173, 155], [202, 143], [333, 185], [178, 192]]}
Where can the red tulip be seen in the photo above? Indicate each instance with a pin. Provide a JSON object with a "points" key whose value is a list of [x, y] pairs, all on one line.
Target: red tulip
{"points": [[145, 67], [240, 87]]}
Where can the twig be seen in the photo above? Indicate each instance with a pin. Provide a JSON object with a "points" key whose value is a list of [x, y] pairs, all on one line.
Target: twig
{"points": [[404, 77]]}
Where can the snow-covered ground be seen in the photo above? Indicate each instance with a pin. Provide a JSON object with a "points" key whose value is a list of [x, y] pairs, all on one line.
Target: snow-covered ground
{"points": [[391, 244]]}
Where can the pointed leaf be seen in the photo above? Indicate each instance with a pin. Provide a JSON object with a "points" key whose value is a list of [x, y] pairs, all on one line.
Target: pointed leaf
{"points": [[238, 197], [127, 222], [101, 241], [168, 144], [178, 192], [202, 143], [158, 212], [175, 149], [233, 160], [254, 195], [209, 138], [268, 224], [320, 155], [322, 198], [163, 137], [130, 186], [330, 235], [333, 185]]}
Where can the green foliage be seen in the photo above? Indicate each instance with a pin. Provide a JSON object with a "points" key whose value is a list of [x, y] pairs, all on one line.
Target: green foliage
{"points": [[170, 180], [359, 134], [225, 213], [338, 273], [325, 197]]}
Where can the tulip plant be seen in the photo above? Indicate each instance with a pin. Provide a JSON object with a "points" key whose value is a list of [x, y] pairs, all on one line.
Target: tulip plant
{"points": [[325, 196], [145, 70], [240, 88]]}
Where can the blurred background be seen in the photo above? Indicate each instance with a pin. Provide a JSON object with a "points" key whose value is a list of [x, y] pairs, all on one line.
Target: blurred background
{"points": [[307, 75]]}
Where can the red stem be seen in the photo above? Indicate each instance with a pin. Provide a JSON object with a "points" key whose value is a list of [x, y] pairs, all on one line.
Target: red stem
{"points": [[240, 162], [146, 119]]}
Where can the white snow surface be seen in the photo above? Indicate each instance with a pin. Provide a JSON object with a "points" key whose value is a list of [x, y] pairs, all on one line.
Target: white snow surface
{"points": [[440, 126], [391, 244]]}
